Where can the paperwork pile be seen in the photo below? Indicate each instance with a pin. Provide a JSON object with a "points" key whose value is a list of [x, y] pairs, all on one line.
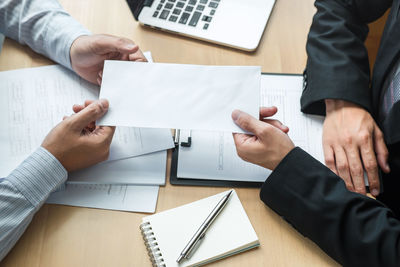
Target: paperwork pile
{"points": [[153, 95], [34, 100]]}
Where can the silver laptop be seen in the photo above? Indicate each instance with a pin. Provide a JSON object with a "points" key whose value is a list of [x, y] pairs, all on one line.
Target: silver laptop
{"points": [[235, 23]]}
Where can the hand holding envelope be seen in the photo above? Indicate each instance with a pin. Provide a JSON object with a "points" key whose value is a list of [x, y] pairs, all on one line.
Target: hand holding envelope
{"points": [[178, 96]]}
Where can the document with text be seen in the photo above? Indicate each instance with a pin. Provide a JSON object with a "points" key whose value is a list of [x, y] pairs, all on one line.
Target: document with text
{"points": [[33, 101], [213, 155], [109, 197], [178, 96], [149, 169]]}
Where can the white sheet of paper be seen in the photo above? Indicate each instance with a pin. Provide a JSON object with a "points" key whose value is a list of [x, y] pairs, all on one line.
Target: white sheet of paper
{"points": [[110, 197], [213, 155], [178, 96], [33, 101], [149, 169], [284, 92], [130, 142]]}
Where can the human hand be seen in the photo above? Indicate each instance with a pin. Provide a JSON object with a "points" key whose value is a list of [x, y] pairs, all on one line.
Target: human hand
{"points": [[88, 53], [353, 142], [74, 141], [269, 144]]}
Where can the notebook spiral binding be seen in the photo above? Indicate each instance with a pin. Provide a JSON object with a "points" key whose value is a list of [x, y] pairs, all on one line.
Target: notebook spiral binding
{"points": [[152, 246]]}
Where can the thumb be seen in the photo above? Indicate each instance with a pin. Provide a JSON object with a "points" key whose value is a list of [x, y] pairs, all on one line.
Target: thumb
{"points": [[247, 122], [91, 113], [108, 44]]}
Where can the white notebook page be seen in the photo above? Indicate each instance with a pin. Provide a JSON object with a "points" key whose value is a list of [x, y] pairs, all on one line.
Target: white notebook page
{"points": [[230, 232]]}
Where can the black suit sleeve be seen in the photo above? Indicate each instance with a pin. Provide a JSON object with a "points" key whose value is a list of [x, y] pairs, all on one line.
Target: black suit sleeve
{"points": [[337, 65], [353, 229]]}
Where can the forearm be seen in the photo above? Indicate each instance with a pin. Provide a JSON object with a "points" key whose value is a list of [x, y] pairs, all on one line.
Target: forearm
{"points": [[353, 229], [337, 65], [23, 192], [42, 25]]}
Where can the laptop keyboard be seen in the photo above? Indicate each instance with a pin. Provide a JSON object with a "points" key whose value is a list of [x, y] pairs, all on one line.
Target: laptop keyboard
{"points": [[188, 12]]}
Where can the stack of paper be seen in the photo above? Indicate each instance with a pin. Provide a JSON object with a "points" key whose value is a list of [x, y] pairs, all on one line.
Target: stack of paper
{"points": [[33, 101], [155, 96]]}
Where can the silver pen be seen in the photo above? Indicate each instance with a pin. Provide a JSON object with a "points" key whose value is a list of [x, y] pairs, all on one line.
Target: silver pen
{"points": [[200, 233]]}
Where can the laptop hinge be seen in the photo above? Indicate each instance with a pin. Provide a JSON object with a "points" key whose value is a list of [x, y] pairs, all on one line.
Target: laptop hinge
{"points": [[137, 5]]}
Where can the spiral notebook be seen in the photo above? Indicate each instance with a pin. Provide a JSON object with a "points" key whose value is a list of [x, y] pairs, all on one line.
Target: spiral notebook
{"points": [[165, 234]]}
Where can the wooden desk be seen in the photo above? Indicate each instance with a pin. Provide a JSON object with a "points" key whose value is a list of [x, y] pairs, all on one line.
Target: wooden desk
{"points": [[69, 236]]}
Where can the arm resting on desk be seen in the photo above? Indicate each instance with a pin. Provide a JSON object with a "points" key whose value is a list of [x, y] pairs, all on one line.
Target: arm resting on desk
{"points": [[42, 25], [337, 65], [23, 192], [353, 229]]}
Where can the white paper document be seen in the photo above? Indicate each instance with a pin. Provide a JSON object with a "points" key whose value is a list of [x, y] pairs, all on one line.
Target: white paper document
{"points": [[149, 169], [284, 92], [213, 155], [110, 197], [178, 96], [130, 142], [33, 101]]}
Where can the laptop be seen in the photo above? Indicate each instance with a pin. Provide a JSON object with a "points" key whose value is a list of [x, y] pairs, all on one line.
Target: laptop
{"points": [[234, 23]]}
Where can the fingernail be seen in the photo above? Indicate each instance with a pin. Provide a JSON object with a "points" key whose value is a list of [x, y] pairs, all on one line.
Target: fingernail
{"points": [[375, 192], [130, 46], [387, 167], [235, 115], [104, 103]]}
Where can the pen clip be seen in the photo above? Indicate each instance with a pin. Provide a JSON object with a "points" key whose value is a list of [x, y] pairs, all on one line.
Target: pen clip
{"points": [[194, 248]]}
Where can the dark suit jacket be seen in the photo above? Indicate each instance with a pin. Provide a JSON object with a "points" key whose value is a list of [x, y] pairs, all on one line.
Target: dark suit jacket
{"points": [[351, 228]]}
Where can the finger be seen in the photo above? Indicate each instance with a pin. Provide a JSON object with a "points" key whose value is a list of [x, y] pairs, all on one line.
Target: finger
{"points": [[240, 138], [88, 102], [330, 158], [277, 124], [99, 81], [91, 113], [245, 145], [356, 168], [105, 133], [381, 150], [371, 167], [101, 73], [138, 57], [105, 44], [76, 108], [342, 167], [267, 112], [247, 122]]}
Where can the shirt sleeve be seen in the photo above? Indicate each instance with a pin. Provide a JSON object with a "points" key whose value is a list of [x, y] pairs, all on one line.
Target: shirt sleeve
{"points": [[43, 25], [24, 191]]}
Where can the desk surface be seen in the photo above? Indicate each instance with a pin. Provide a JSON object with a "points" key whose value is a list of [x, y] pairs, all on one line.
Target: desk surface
{"points": [[69, 236]]}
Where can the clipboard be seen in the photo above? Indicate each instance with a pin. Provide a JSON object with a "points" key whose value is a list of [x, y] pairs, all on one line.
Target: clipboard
{"points": [[175, 180]]}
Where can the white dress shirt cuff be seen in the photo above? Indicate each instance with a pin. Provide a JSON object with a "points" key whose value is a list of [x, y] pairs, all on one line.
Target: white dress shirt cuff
{"points": [[38, 176], [64, 30]]}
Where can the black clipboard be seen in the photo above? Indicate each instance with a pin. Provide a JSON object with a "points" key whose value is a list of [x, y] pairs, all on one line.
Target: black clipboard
{"points": [[175, 180]]}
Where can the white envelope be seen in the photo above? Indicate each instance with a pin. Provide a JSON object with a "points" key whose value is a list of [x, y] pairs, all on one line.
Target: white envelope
{"points": [[178, 96]]}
